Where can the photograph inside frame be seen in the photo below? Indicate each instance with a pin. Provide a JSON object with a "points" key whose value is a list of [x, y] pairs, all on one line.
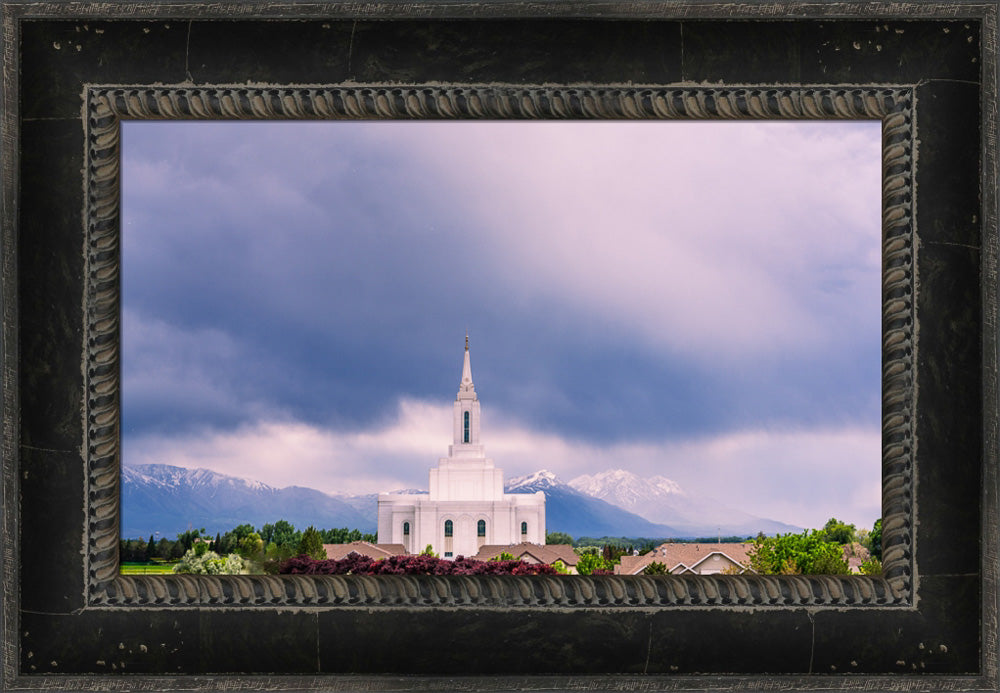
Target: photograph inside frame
{"points": [[249, 411], [670, 385]]}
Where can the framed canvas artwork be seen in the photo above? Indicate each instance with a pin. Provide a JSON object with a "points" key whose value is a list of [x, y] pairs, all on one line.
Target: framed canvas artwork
{"points": [[747, 250]]}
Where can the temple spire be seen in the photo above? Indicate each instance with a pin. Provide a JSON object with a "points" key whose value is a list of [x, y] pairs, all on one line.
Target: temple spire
{"points": [[466, 384]]}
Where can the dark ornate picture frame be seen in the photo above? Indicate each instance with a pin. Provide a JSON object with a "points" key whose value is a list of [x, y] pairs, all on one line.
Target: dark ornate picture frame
{"points": [[73, 72]]}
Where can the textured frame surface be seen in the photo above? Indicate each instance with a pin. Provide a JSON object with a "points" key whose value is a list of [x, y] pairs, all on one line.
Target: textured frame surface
{"points": [[107, 106], [936, 613]]}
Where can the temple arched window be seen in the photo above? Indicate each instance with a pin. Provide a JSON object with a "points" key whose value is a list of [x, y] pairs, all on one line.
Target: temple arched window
{"points": [[449, 528], [481, 528], [524, 529], [465, 435], [406, 529]]}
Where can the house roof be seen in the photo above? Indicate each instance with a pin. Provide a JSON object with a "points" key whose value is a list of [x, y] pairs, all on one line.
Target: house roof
{"points": [[855, 554], [543, 553], [364, 548], [681, 557]]}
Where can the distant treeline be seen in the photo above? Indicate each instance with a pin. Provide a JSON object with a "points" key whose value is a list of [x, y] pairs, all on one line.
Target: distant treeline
{"points": [[640, 544], [277, 541]]}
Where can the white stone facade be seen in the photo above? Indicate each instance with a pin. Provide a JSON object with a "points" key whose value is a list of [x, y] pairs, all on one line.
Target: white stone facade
{"points": [[466, 507]]}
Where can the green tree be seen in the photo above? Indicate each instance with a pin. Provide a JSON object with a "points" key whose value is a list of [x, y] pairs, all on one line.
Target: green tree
{"points": [[589, 562], [807, 553], [311, 544], [150, 548], [243, 531], [277, 554], [284, 534], [131, 550], [613, 554], [558, 538], [177, 549], [250, 546], [875, 539], [266, 533], [163, 547], [226, 544], [343, 535], [187, 538], [655, 568], [839, 532]]}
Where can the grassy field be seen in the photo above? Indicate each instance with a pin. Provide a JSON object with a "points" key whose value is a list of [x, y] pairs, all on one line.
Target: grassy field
{"points": [[146, 568]]}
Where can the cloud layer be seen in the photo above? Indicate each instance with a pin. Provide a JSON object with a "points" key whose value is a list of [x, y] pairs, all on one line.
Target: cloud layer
{"points": [[817, 471], [626, 284]]}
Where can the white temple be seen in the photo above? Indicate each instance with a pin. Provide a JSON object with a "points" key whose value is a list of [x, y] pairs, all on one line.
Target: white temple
{"points": [[466, 507]]}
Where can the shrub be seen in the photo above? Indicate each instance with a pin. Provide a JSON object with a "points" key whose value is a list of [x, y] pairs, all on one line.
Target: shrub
{"points": [[594, 564], [829, 563], [872, 566], [422, 564], [211, 563]]}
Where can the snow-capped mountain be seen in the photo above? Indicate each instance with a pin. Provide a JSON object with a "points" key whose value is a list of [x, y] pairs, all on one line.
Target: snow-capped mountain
{"points": [[539, 481], [166, 499], [579, 515], [627, 490], [662, 500]]}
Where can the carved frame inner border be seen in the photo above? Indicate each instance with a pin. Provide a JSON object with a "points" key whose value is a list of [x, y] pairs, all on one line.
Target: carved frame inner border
{"points": [[106, 106]]}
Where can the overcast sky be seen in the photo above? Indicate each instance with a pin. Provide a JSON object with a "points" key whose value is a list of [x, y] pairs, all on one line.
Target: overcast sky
{"points": [[698, 300]]}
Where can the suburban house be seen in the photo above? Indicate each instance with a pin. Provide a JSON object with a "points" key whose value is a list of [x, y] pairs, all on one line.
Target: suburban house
{"points": [[698, 559], [363, 548], [532, 553]]}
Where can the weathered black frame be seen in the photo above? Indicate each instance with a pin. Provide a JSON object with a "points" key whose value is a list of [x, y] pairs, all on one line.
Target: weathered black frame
{"points": [[70, 75]]}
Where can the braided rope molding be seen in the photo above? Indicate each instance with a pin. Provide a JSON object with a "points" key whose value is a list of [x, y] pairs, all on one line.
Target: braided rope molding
{"points": [[107, 106]]}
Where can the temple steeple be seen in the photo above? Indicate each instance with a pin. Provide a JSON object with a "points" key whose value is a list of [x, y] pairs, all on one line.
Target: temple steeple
{"points": [[465, 507], [466, 384], [466, 413]]}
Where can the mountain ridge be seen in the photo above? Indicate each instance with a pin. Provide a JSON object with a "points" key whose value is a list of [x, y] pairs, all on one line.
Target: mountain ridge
{"points": [[662, 500], [164, 499]]}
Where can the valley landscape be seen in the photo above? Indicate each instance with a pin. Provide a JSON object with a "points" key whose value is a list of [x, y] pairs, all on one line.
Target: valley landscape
{"points": [[294, 297], [167, 500]]}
